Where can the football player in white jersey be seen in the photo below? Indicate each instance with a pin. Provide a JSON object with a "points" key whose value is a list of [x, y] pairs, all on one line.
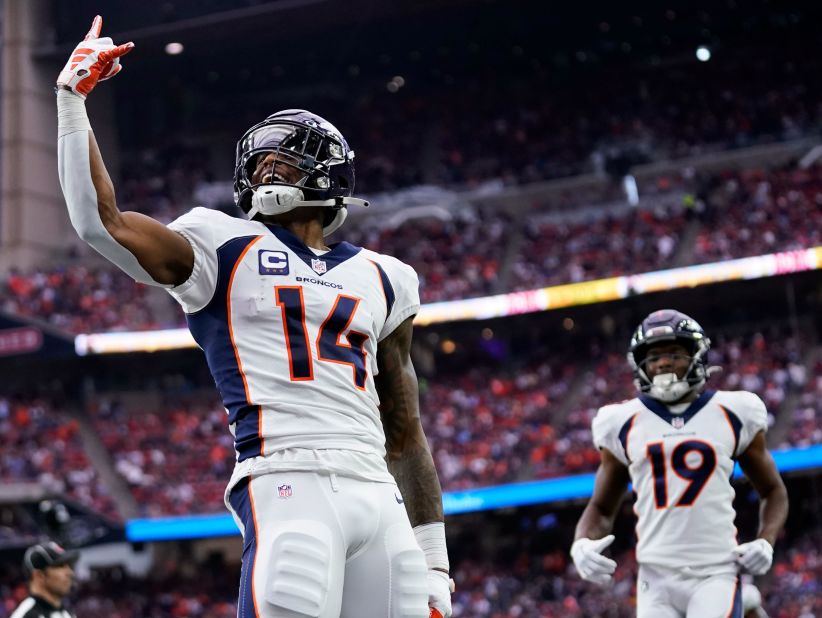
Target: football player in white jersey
{"points": [[334, 488], [677, 443]]}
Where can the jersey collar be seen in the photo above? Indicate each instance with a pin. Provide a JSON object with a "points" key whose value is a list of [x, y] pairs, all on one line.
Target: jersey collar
{"points": [[662, 411], [338, 254], [46, 603]]}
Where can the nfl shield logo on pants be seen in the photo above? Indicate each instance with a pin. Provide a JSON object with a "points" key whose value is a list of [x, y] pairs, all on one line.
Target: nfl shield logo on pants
{"points": [[284, 491], [678, 422], [318, 266]]}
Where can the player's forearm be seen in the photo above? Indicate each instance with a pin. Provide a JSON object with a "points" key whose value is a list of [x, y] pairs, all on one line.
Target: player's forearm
{"points": [[773, 512], [610, 484], [92, 205], [104, 187], [88, 190], [417, 479], [407, 453], [594, 523]]}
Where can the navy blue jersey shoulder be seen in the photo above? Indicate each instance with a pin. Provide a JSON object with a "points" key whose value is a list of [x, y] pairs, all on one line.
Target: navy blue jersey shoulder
{"points": [[210, 330], [662, 411], [623, 435], [736, 427], [390, 296]]}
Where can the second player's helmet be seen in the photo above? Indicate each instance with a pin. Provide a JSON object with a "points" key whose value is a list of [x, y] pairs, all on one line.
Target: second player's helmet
{"points": [[668, 325], [311, 145]]}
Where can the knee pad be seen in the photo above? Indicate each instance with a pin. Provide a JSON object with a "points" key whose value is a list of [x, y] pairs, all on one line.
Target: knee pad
{"points": [[298, 572], [409, 574]]}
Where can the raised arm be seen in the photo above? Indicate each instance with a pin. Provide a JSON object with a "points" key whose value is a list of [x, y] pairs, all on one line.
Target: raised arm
{"points": [[409, 458], [142, 247]]}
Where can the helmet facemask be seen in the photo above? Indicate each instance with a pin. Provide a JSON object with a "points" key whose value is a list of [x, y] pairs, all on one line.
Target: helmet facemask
{"points": [[318, 157], [669, 387], [671, 327]]}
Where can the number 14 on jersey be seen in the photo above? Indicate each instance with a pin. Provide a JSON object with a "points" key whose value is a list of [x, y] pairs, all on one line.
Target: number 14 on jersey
{"points": [[329, 345]]}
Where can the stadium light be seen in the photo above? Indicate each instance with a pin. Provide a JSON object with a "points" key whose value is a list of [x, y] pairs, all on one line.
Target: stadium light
{"points": [[174, 48], [397, 82], [703, 54]]}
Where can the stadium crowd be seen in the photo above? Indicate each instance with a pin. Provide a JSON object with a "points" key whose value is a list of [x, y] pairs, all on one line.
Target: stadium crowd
{"points": [[605, 245], [647, 115], [806, 425], [456, 257], [75, 298], [757, 211], [175, 459], [529, 577], [459, 129], [464, 254], [41, 443], [492, 423]]}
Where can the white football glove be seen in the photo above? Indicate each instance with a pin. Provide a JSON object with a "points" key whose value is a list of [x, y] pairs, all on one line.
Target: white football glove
{"points": [[591, 565], [93, 60], [440, 587], [755, 557]]}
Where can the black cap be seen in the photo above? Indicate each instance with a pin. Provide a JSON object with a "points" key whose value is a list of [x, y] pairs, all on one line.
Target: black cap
{"points": [[43, 555]]}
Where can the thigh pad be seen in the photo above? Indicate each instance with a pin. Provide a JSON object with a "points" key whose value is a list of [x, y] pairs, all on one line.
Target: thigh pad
{"points": [[299, 569]]}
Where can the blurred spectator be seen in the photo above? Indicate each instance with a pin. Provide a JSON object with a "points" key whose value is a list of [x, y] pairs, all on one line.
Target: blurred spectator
{"points": [[78, 299], [42, 444]]}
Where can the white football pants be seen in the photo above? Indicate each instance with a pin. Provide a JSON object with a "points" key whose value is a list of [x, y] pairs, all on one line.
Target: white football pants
{"points": [[325, 546], [673, 593]]}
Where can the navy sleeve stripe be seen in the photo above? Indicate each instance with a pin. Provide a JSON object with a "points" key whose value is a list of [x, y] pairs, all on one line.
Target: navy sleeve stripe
{"points": [[736, 426], [211, 329], [623, 435], [387, 288]]}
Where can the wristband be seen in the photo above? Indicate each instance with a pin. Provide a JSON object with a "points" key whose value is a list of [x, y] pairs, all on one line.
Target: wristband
{"points": [[71, 113], [431, 539]]}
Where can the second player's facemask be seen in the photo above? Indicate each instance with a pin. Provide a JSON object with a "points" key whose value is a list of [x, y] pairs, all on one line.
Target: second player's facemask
{"points": [[669, 326], [314, 167], [669, 387]]}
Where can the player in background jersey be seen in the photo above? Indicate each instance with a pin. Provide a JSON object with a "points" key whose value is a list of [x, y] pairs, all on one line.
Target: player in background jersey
{"points": [[677, 442], [334, 488]]}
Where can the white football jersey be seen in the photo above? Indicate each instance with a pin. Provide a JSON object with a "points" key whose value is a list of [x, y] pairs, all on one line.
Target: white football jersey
{"points": [[681, 467], [291, 341]]}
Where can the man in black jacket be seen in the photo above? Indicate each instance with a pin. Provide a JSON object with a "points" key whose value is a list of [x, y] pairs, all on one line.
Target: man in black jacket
{"points": [[50, 569]]}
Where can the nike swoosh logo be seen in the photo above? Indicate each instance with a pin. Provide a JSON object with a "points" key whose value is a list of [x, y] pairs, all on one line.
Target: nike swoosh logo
{"points": [[399, 499]]}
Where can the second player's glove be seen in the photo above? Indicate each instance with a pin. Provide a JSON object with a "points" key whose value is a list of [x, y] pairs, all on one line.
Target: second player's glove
{"points": [[591, 565], [755, 557], [93, 60]]}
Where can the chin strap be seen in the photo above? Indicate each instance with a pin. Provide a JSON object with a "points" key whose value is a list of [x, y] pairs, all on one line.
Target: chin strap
{"points": [[279, 199], [667, 387], [335, 201]]}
